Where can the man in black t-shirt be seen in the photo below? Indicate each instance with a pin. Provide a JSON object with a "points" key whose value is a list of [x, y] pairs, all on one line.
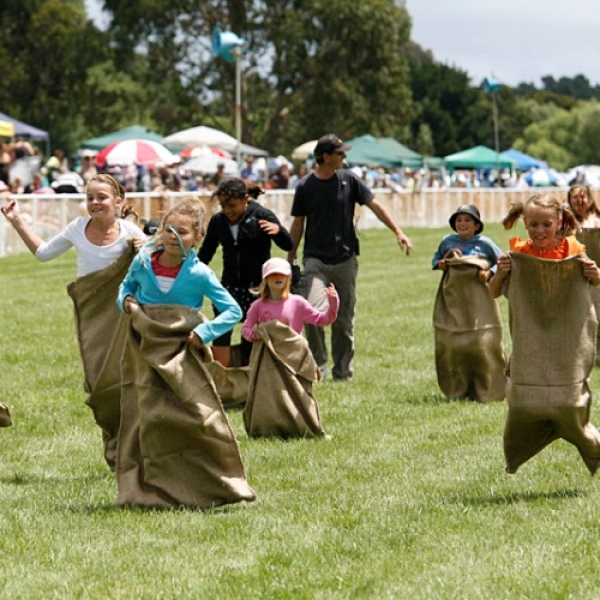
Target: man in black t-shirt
{"points": [[323, 211]]}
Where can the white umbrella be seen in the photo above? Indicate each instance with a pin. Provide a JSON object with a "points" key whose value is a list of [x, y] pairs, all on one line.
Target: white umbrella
{"points": [[202, 136], [208, 165], [304, 151]]}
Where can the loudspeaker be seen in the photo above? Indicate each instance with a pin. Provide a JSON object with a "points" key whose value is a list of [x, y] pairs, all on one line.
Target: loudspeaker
{"points": [[223, 42], [491, 85]]}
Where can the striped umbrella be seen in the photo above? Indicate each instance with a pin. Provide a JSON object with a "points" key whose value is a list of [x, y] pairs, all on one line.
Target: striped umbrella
{"points": [[136, 152], [205, 152]]}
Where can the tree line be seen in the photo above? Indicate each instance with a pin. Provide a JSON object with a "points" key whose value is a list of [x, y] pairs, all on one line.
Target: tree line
{"points": [[308, 67]]}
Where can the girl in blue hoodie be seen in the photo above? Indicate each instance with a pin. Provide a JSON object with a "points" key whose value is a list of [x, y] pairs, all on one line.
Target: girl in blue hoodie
{"points": [[167, 271]]}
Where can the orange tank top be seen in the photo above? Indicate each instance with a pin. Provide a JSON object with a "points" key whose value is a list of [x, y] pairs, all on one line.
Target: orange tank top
{"points": [[568, 246]]}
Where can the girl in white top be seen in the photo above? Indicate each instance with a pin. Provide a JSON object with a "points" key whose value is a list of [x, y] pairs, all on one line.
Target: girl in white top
{"points": [[99, 239], [581, 202]]}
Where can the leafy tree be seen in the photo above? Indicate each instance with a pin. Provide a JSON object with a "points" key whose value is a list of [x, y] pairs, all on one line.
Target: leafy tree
{"points": [[576, 87], [308, 66], [566, 138], [584, 143], [552, 139], [424, 141], [51, 45], [113, 100], [457, 114]]}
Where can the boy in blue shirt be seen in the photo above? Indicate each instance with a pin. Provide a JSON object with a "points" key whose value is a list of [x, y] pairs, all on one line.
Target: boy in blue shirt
{"points": [[466, 222]]}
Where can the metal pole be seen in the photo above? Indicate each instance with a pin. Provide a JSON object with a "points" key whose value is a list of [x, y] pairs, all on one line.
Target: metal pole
{"points": [[238, 107], [496, 136], [495, 113]]}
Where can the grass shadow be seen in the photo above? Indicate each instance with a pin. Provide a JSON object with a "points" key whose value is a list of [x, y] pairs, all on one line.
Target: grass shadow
{"points": [[517, 497], [36, 479], [434, 398]]}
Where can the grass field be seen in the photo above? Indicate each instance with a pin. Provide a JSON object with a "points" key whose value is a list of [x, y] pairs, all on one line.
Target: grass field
{"points": [[409, 499]]}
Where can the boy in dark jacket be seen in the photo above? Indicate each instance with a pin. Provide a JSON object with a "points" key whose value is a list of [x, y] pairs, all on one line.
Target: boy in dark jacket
{"points": [[245, 230]]}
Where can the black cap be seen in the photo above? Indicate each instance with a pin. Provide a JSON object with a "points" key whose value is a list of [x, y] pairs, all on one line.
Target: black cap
{"points": [[466, 209], [151, 226], [328, 144]]}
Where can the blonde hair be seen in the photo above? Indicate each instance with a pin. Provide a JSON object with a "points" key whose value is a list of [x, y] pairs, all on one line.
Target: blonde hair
{"points": [[187, 207], [563, 213], [264, 293], [117, 188]]}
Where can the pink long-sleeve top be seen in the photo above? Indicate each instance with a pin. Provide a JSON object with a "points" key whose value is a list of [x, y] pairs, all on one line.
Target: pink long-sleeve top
{"points": [[295, 311]]}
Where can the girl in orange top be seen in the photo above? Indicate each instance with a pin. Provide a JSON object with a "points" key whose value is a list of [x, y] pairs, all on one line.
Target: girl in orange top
{"points": [[550, 227]]}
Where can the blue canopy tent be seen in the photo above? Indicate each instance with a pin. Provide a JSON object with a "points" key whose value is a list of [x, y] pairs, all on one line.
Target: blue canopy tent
{"points": [[27, 131], [524, 162]]}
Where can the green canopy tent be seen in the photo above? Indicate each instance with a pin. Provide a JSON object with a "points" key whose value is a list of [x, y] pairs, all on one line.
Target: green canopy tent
{"points": [[410, 158], [135, 132], [478, 157], [433, 162], [368, 150]]}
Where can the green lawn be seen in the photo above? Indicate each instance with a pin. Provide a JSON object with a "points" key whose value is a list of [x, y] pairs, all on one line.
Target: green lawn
{"points": [[409, 499]]}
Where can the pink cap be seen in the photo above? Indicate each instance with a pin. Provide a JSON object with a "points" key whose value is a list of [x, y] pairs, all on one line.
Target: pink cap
{"points": [[276, 265]]}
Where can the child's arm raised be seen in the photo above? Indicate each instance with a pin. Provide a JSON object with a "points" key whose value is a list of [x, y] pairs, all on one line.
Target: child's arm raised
{"points": [[13, 215], [322, 319]]}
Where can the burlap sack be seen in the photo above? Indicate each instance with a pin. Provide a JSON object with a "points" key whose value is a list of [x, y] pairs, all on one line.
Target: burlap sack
{"points": [[553, 327], [280, 401], [591, 239], [176, 446], [231, 383], [101, 330], [5, 417], [469, 352]]}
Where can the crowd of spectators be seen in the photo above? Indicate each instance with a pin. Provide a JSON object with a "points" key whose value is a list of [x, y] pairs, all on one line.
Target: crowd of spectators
{"points": [[70, 174], [414, 180]]}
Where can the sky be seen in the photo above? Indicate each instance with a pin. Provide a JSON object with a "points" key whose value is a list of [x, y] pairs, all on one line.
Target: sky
{"points": [[515, 41]]}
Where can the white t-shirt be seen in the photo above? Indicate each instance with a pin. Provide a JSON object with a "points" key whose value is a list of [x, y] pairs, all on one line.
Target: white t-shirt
{"points": [[90, 258]]}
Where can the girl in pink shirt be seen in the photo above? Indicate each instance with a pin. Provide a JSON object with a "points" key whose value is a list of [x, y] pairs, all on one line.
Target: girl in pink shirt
{"points": [[277, 303], [280, 401]]}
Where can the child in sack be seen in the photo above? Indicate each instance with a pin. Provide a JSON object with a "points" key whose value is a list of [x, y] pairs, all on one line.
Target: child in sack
{"points": [[553, 329], [280, 401], [176, 446], [469, 351]]}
